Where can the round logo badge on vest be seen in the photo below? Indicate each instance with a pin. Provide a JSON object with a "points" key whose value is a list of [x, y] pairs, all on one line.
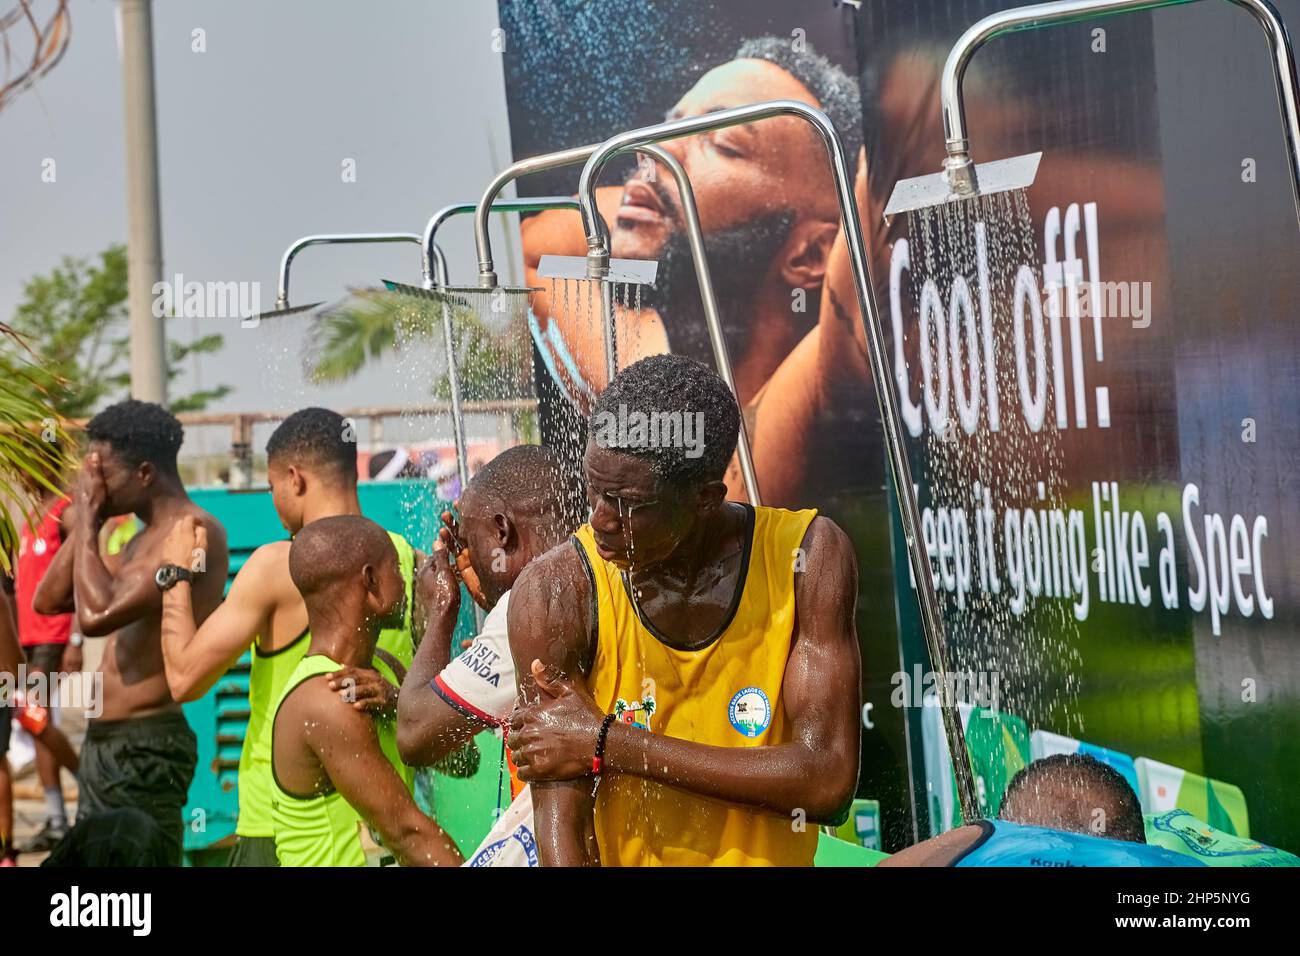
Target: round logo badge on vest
{"points": [[750, 711]]}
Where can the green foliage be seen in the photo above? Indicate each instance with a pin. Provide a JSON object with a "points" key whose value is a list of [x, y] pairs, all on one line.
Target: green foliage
{"points": [[33, 443], [75, 322], [491, 365]]}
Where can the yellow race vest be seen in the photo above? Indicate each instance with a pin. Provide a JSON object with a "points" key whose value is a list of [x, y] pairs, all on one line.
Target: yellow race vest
{"points": [[726, 694]]}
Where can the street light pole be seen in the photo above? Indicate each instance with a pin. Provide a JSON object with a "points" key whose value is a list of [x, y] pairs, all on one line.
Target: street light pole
{"points": [[144, 239]]}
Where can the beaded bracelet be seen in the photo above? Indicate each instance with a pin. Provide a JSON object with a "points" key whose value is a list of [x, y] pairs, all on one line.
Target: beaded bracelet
{"points": [[598, 761]]}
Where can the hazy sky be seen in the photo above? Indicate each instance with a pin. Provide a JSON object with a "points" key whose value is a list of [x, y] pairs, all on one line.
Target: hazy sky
{"points": [[252, 136]]}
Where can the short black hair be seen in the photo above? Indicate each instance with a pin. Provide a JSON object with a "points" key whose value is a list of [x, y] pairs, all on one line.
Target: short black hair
{"points": [[138, 432], [1102, 781], [536, 478], [668, 388], [834, 89], [316, 436]]}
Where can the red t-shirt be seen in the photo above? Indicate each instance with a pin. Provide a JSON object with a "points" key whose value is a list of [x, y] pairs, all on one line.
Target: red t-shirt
{"points": [[35, 553]]}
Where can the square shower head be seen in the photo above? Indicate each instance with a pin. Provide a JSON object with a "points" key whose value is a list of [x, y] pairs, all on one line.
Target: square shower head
{"points": [[254, 320], [630, 271], [1001, 175]]}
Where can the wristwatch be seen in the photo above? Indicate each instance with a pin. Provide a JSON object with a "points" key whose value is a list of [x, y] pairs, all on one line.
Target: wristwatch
{"points": [[169, 575]]}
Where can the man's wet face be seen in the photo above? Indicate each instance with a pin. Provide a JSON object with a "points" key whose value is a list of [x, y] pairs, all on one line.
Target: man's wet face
{"points": [[636, 521], [122, 488], [738, 174], [477, 530], [392, 592]]}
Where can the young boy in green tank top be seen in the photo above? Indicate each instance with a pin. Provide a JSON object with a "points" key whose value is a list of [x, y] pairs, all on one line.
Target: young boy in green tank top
{"points": [[334, 768]]}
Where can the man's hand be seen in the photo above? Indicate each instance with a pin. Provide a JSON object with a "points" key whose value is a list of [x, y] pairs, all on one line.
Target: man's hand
{"points": [[555, 738], [90, 493], [449, 535], [187, 541], [437, 583], [72, 659], [365, 689]]}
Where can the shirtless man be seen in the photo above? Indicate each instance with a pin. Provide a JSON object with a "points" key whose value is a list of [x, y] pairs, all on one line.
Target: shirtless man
{"points": [[140, 752], [708, 647], [333, 765]]}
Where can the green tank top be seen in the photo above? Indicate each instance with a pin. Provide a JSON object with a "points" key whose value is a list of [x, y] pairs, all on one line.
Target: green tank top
{"points": [[323, 830], [266, 683]]}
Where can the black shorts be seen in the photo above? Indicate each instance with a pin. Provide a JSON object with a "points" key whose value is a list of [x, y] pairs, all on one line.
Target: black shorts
{"points": [[254, 851], [46, 658], [144, 762]]}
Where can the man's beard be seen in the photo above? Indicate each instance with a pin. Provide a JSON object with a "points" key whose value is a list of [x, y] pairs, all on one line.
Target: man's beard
{"points": [[737, 256]]}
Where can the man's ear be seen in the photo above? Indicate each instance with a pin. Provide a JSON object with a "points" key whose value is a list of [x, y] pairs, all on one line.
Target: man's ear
{"points": [[806, 253], [507, 533], [297, 480], [146, 471], [711, 495], [370, 580]]}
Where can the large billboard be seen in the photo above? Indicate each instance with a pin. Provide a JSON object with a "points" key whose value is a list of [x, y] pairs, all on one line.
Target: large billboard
{"points": [[1097, 375]]}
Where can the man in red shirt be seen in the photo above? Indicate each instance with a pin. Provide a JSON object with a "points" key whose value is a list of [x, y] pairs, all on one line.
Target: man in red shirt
{"points": [[51, 648]]}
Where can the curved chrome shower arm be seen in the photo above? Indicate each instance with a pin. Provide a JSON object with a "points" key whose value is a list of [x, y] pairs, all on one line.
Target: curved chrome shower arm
{"points": [[958, 165], [330, 239], [909, 510], [434, 266], [582, 154]]}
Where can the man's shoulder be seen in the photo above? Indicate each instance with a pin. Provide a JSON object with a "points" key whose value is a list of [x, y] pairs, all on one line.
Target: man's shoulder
{"points": [[547, 585], [266, 571], [216, 530], [563, 562], [829, 560]]}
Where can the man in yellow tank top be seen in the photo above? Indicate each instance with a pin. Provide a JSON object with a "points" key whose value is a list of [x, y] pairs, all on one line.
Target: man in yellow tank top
{"points": [[312, 471], [698, 655]]}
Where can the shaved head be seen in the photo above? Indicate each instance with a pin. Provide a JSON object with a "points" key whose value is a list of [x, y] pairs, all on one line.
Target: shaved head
{"points": [[530, 480], [335, 562], [1077, 793]]}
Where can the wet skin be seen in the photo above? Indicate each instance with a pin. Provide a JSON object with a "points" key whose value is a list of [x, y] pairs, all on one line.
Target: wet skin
{"points": [[490, 543], [262, 603], [322, 744], [681, 551], [116, 597]]}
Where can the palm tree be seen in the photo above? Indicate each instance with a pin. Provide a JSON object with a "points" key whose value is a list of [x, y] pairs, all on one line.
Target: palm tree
{"points": [[492, 363], [34, 444]]}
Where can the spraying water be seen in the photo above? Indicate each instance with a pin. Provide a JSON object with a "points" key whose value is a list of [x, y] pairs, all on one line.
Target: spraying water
{"points": [[976, 474]]}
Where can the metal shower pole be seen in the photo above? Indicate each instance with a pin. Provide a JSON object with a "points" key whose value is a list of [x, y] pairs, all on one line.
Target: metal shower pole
{"points": [[927, 599], [581, 154], [435, 276], [958, 167]]}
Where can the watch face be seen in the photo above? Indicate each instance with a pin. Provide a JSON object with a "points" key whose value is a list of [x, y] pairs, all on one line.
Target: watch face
{"points": [[166, 576]]}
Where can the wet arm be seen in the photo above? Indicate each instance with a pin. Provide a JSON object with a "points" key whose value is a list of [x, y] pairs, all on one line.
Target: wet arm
{"points": [[816, 772], [105, 600], [428, 728], [348, 748], [548, 622], [54, 592], [194, 658]]}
